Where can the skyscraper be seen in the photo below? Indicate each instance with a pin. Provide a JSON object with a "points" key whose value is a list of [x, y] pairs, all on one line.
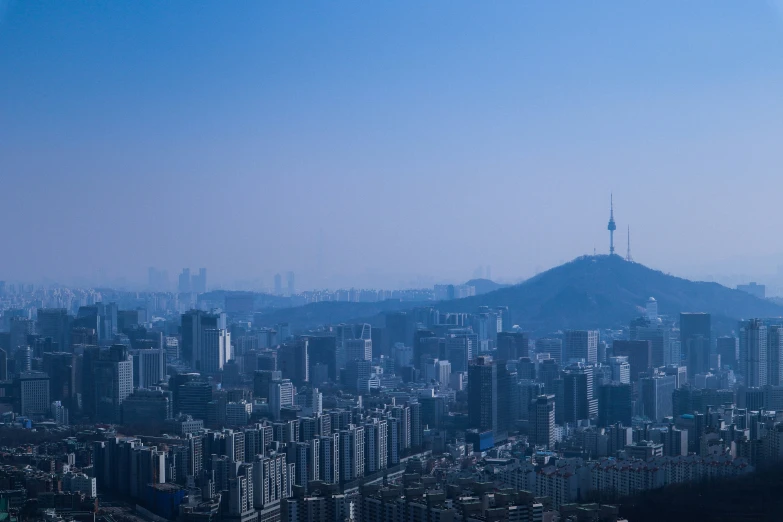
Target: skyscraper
{"points": [[512, 345], [483, 395], [278, 284], [581, 344], [194, 323], [293, 360], [695, 336], [659, 337], [728, 347], [184, 283], [655, 395], [639, 355], [753, 352], [614, 404], [291, 284], [578, 400], [55, 323], [112, 382], [554, 347], [541, 418], [214, 350]]}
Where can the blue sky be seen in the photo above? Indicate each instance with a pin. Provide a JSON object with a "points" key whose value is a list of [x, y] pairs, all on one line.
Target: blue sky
{"points": [[381, 143]]}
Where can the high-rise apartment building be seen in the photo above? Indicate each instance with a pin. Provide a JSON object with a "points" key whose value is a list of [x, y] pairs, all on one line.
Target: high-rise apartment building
{"points": [[753, 352]]}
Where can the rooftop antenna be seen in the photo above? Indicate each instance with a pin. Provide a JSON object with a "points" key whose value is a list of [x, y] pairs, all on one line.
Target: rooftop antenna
{"points": [[628, 254]]}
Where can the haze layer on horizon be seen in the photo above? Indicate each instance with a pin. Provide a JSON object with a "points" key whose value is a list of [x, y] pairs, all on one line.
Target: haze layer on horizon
{"points": [[385, 144]]}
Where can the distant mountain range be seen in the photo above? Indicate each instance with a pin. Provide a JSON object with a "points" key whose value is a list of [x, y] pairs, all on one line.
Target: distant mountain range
{"points": [[588, 292]]}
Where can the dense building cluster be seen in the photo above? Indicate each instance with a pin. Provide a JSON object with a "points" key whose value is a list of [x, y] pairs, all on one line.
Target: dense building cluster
{"points": [[191, 405]]}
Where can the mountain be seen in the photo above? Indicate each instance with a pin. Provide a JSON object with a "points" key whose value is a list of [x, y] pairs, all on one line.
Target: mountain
{"points": [[588, 292], [484, 286], [607, 291]]}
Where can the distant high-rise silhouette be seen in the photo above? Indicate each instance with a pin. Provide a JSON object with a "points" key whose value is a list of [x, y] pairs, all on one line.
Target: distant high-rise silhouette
{"points": [[695, 335], [611, 227], [290, 280]]}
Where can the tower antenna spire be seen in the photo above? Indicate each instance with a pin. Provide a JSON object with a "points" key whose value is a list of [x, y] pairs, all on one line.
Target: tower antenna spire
{"points": [[611, 227], [628, 254]]}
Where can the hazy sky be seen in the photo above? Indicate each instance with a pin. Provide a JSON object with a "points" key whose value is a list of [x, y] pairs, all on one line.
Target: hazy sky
{"points": [[370, 142]]}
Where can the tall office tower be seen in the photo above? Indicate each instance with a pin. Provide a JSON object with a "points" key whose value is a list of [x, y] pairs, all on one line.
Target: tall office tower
{"points": [[461, 348], [541, 417], [194, 323], [753, 352], [525, 392], [399, 328], [375, 446], [278, 284], [728, 347], [512, 346], [33, 393], [554, 347], [323, 350], [107, 314], [639, 354], [658, 336], [20, 328], [426, 345], [651, 311], [577, 392], [184, 285], [290, 281], [655, 394], [581, 344], [695, 339], [55, 323], [112, 382], [198, 282], [548, 373], [294, 362], [149, 367], [775, 355], [352, 458], [330, 458], [213, 351], [621, 369], [358, 350], [281, 394], [61, 368], [507, 401], [127, 319], [483, 395], [614, 404]]}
